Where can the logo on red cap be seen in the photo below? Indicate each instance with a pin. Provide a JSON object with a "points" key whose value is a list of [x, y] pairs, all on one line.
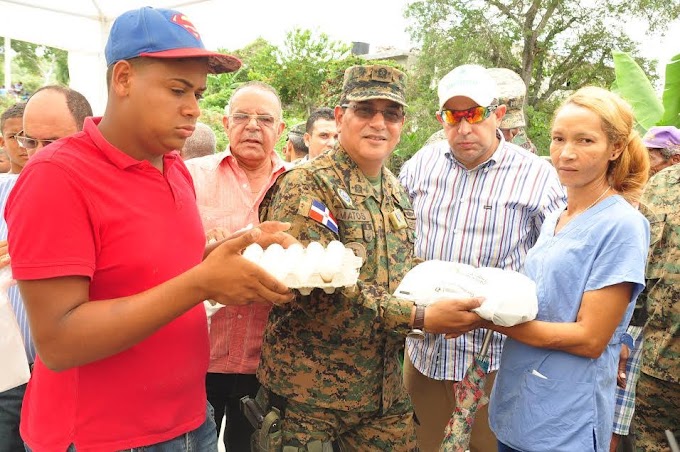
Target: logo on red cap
{"points": [[181, 19]]}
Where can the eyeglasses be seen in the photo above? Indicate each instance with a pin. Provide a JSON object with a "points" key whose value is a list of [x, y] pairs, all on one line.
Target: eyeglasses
{"points": [[393, 115], [472, 115], [262, 120], [31, 143]]}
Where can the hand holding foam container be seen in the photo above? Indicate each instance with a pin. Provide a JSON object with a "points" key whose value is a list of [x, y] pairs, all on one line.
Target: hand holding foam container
{"points": [[308, 268]]}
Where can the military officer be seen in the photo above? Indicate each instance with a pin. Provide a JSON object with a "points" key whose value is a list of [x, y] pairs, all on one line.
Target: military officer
{"points": [[329, 366], [658, 390]]}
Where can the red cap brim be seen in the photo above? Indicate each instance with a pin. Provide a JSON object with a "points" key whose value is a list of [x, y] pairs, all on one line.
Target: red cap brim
{"points": [[218, 63]]}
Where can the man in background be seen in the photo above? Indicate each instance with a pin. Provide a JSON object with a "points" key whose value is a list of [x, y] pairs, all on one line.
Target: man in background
{"points": [[478, 200], [296, 151], [4, 161], [47, 113], [657, 400], [663, 144], [512, 94], [321, 131], [52, 112], [11, 123], [229, 187], [201, 143]]}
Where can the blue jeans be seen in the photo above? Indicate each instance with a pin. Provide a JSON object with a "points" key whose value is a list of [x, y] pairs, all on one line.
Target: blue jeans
{"points": [[202, 439], [10, 411]]}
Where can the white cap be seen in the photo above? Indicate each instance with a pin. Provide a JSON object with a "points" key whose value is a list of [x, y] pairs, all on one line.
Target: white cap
{"points": [[471, 81]]}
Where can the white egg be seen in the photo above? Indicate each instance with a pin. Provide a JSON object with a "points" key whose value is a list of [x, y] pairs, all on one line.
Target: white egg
{"points": [[253, 253], [328, 267], [293, 255], [304, 269], [295, 250], [273, 260], [275, 250], [335, 246], [315, 250]]}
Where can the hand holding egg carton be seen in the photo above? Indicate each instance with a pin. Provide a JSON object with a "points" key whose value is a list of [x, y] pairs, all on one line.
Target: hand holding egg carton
{"points": [[308, 268]]}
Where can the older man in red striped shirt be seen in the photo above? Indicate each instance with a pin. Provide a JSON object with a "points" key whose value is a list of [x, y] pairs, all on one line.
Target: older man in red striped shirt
{"points": [[229, 187]]}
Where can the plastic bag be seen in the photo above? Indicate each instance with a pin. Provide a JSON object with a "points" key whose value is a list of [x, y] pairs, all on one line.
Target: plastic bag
{"points": [[510, 297], [15, 371]]}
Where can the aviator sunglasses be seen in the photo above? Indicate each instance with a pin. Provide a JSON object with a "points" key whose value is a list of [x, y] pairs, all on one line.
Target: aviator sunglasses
{"points": [[472, 115]]}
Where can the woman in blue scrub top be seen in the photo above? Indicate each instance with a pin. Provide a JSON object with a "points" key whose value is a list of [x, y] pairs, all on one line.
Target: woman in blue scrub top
{"points": [[555, 387]]}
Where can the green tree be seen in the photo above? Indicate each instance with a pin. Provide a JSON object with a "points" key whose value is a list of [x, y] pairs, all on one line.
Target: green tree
{"points": [[36, 65], [306, 63], [307, 72], [555, 45]]}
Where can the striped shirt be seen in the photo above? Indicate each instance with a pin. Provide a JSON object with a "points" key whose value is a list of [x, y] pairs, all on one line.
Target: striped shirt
{"points": [[488, 216], [225, 200], [7, 182]]}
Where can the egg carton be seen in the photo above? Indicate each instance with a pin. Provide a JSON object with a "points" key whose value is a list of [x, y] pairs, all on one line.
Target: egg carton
{"points": [[306, 269]]}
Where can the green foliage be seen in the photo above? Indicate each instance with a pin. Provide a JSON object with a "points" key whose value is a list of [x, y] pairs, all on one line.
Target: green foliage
{"points": [[6, 102], [307, 72], [213, 118], [633, 85], [219, 89], [36, 65], [556, 46], [539, 122], [671, 94], [305, 66]]}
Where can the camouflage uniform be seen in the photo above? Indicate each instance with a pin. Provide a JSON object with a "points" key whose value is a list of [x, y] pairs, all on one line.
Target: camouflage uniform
{"points": [[333, 358], [658, 390], [522, 140], [338, 353]]}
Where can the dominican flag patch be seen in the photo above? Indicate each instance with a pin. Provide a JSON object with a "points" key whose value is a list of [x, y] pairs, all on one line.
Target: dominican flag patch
{"points": [[320, 213]]}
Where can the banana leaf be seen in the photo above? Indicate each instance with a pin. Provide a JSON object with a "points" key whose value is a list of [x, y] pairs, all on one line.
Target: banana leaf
{"points": [[671, 94], [633, 85]]}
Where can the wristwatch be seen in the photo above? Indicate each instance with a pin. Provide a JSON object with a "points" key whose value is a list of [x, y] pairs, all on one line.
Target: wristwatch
{"points": [[417, 331]]}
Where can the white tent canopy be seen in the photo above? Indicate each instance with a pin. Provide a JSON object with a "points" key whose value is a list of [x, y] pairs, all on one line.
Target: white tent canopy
{"points": [[81, 27]]}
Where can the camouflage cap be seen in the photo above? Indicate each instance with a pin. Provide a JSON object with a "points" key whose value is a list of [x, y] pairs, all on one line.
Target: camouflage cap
{"points": [[374, 82], [298, 129], [511, 93]]}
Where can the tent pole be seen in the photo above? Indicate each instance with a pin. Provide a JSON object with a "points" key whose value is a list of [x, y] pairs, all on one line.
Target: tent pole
{"points": [[8, 62]]}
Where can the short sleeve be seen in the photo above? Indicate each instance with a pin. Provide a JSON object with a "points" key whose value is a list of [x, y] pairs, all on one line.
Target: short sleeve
{"points": [[553, 198], [50, 226], [622, 254]]}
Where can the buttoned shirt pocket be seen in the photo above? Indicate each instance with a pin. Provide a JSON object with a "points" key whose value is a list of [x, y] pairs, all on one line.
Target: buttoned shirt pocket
{"points": [[356, 231]]}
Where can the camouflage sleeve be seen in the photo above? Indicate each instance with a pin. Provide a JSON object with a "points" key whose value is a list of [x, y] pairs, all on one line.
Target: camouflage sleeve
{"points": [[394, 313], [289, 201]]}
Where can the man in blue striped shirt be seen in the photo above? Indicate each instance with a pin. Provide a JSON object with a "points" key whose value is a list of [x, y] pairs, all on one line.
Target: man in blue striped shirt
{"points": [[52, 112], [478, 200]]}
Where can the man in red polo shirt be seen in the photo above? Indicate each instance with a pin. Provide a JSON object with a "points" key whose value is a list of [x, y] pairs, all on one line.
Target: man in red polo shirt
{"points": [[108, 250]]}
